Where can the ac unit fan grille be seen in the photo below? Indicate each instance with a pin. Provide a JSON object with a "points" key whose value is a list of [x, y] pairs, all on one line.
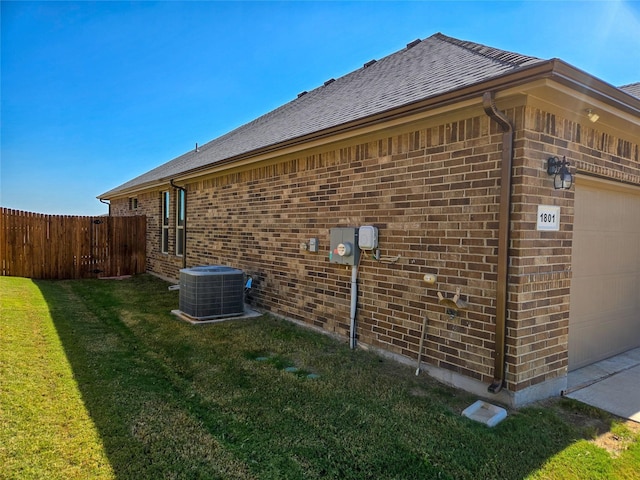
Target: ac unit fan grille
{"points": [[211, 291]]}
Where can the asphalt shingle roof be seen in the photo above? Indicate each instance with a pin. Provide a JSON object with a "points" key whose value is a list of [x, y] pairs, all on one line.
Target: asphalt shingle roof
{"points": [[424, 69], [632, 89]]}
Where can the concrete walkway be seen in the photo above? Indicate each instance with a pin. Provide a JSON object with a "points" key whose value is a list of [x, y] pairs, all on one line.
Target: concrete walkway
{"points": [[612, 385]]}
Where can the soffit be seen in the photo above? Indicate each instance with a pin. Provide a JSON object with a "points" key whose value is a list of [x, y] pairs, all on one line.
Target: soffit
{"points": [[553, 97]]}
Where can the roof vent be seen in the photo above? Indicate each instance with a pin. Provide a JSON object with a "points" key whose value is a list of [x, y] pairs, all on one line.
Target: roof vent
{"points": [[369, 63], [330, 81], [302, 94], [413, 44]]}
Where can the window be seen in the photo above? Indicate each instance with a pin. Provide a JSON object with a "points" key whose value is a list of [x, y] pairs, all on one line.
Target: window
{"points": [[180, 220], [133, 203], [164, 234]]}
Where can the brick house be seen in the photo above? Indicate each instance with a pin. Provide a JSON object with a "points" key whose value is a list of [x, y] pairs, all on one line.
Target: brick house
{"points": [[419, 144]]}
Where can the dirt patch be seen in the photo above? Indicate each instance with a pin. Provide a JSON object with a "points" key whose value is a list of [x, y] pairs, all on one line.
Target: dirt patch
{"points": [[619, 439], [607, 431]]}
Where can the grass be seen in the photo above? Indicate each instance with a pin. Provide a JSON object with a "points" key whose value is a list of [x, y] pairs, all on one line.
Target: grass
{"points": [[44, 426], [99, 380]]}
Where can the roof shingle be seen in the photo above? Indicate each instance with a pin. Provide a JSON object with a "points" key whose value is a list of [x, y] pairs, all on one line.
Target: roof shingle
{"points": [[424, 69], [632, 89]]}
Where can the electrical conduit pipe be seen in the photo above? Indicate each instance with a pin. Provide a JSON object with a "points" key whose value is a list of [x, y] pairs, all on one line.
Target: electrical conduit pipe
{"points": [[354, 301]]}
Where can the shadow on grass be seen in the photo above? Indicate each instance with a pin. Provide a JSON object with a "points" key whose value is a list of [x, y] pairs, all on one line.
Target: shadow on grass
{"points": [[172, 400]]}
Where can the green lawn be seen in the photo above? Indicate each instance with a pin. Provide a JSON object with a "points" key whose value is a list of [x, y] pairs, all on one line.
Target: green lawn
{"points": [[99, 380]]}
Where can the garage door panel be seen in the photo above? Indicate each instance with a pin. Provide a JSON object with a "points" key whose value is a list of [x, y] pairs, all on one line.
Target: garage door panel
{"points": [[605, 290], [609, 288], [606, 253], [609, 212], [604, 338], [620, 315]]}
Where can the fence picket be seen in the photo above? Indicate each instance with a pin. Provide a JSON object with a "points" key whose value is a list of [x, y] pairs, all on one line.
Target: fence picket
{"points": [[61, 247]]}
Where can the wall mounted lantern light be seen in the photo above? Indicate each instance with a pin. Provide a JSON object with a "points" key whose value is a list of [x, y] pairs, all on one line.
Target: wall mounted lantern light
{"points": [[558, 168]]}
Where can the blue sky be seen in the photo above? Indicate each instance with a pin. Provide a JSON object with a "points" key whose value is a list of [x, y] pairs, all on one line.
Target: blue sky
{"points": [[96, 93]]}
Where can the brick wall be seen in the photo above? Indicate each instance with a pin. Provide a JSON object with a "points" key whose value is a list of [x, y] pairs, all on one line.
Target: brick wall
{"points": [[540, 273], [150, 204], [432, 190]]}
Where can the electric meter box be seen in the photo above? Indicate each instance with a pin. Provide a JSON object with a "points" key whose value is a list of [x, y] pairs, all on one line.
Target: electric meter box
{"points": [[344, 246], [368, 237]]}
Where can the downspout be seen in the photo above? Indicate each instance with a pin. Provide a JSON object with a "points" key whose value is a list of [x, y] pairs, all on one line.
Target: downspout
{"points": [[184, 246], [106, 203], [504, 220]]}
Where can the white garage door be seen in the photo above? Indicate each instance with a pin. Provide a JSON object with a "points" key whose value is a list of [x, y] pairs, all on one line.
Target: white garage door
{"points": [[605, 288]]}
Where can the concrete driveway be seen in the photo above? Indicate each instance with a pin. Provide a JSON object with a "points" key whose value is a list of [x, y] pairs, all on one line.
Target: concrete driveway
{"points": [[612, 385]]}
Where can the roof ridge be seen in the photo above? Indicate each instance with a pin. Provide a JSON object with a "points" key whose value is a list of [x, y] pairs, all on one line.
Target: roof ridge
{"points": [[502, 56]]}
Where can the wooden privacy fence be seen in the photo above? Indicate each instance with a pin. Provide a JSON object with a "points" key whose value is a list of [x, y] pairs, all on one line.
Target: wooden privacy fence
{"points": [[34, 245]]}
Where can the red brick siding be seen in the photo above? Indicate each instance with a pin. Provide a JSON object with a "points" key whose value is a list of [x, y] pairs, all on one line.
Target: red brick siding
{"points": [[433, 193], [150, 204], [540, 274]]}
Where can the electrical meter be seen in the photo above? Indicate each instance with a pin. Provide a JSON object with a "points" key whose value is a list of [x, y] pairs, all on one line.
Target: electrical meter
{"points": [[344, 246]]}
